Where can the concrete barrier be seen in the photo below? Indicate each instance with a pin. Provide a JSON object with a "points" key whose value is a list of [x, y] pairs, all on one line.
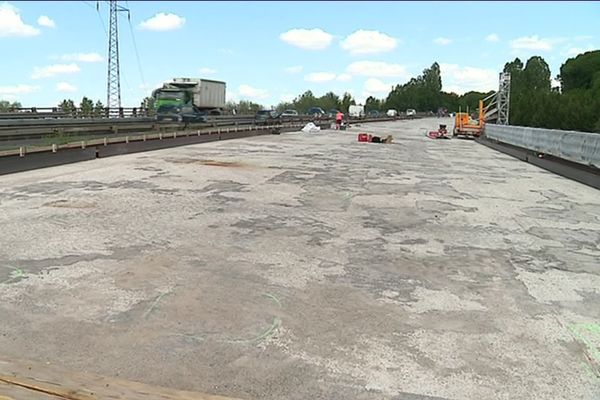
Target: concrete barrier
{"points": [[578, 147], [16, 163]]}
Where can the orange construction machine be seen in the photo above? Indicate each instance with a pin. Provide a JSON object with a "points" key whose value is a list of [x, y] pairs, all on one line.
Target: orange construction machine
{"points": [[465, 126]]}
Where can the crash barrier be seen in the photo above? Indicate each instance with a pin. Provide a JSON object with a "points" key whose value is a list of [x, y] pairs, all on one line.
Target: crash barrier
{"points": [[26, 159], [578, 147]]}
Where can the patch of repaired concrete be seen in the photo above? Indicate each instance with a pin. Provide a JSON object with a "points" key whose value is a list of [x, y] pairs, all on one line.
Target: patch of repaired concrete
{"points": [[441, 300], [556, 285]]}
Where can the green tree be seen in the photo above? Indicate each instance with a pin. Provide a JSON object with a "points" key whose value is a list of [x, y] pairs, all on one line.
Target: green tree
{"points": [[67, 106], [373, 104], [422, 93], [86, 107], [243, 107], [346, 102], [470, 100], [580, 72], [450, 101], [536, 75], [6, 106], [99, 109], [305, 101], [515, 68], [329, 101], [147, 106]]}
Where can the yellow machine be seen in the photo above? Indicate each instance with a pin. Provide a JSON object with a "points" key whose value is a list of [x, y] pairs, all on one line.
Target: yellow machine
{"points": [[464, 126]]}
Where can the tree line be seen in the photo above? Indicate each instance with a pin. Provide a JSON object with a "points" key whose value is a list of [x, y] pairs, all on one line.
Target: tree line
{"points": [[6, 106], [423, 93], [86, 108], [575, 105]]}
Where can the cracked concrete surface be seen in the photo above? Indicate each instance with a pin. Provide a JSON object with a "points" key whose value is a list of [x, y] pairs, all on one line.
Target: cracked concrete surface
{"points": [[309, 266]]}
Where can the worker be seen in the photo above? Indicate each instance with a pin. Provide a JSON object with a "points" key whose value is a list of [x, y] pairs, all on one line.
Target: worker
{"points": [[339, 117]]}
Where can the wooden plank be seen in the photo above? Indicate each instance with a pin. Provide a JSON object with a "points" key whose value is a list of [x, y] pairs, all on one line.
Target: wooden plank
{"points": [[28, 380]]}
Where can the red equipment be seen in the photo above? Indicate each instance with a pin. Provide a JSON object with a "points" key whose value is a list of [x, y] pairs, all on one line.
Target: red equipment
{"points": [[441, 133]]}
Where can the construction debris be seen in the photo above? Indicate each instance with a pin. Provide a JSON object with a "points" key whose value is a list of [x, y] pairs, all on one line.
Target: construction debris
{"points": [[441, 133], [365, 137], [311, 128]]}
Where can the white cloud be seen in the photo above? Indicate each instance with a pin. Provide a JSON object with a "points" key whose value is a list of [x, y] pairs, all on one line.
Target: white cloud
{"points": [[320, 77], [163, 22], [376, 69], [207, 71], [46, 22], [65, 87], [11, 23], [54, 69], [226, 51], [250, 92], [492, 37], [308, 39], [374, 86], [368, 42], [294, 70], [344, 77], [442, 41], [82, 57], [532, 43], [460, 79], [18, 89], [575, 51]]}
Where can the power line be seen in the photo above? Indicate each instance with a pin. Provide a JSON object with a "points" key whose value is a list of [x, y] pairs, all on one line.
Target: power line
{"points": [[100, 18], [137, 54]]}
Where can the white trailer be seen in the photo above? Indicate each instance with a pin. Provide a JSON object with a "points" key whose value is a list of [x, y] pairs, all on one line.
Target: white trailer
{"points": [[206, 94], [356, 111]]}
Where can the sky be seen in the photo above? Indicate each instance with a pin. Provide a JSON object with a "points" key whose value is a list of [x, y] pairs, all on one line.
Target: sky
{"points": [[272, 51]]}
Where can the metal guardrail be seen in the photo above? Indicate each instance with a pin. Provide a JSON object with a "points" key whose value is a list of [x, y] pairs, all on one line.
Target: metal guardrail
{"points": [[11, 130], [579, 147], [57, 112], [25, 159]]}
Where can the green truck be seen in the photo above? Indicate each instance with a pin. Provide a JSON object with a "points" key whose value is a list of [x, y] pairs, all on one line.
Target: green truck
{"points": [[189, 99]]}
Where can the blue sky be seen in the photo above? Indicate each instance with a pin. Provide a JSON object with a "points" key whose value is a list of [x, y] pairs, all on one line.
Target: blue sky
{"points": [[272, 51]]}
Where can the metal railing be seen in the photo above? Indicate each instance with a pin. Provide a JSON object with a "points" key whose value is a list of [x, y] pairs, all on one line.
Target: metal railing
{"points": [[57, 112]]}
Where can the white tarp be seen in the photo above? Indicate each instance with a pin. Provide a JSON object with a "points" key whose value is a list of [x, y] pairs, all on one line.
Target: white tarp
{"points": [[579, 147], [310, 127]]}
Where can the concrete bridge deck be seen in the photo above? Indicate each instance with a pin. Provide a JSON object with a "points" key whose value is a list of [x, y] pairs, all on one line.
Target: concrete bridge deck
{"points": [[308, 266]]}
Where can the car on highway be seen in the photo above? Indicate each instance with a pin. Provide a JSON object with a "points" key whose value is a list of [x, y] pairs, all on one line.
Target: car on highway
{"points": [[266, 117], [411, 112], [332, 113], [289, 113], [392, 113], [374, 114], [186, 113], [316, 112]]}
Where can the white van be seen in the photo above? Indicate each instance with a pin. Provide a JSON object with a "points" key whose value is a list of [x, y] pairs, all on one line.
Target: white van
{"points": [[411, 112], [356, 111], [391, 112]]}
